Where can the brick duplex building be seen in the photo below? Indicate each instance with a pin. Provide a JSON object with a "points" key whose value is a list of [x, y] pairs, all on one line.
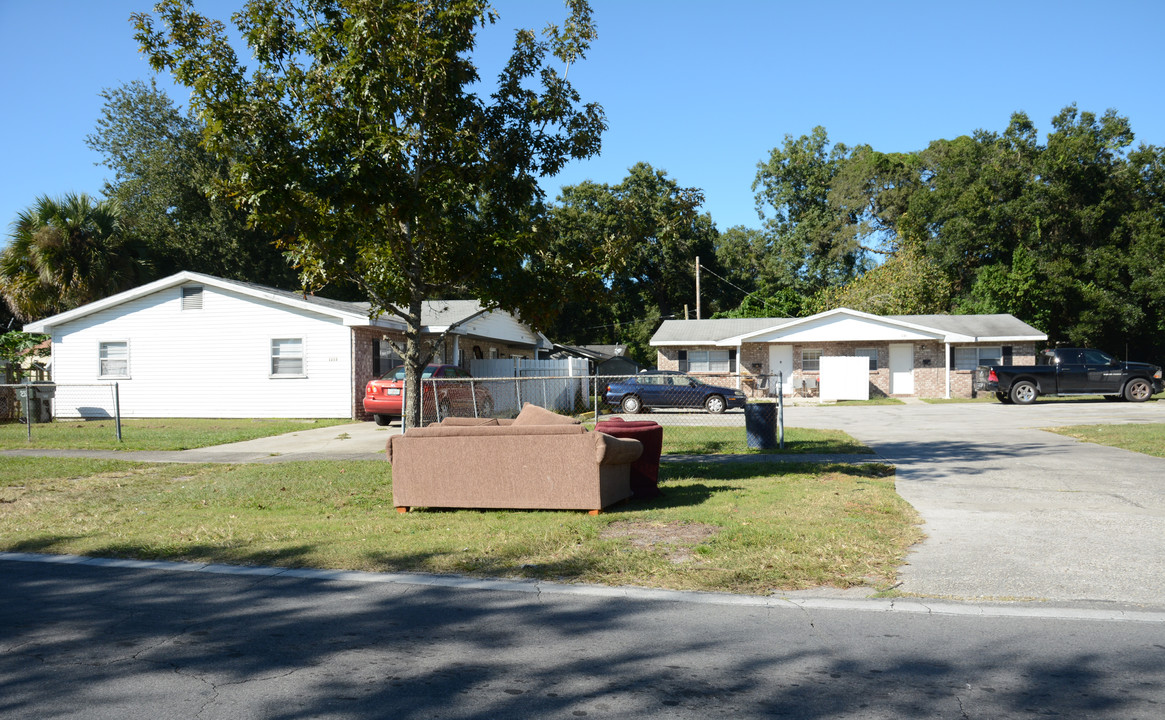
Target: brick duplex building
{"points": [[908, 355]]}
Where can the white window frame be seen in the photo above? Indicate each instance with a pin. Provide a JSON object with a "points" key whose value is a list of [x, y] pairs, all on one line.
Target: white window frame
{"points": [[816, 361], [103, 358], [272, 356], [709, 361], [981, 358], [871, 353]]}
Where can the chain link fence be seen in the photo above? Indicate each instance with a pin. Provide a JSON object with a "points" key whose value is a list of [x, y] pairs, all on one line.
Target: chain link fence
{"points": [[32, 404], [707, 414]]}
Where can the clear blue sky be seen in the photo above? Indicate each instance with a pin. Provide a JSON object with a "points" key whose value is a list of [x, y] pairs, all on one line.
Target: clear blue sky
{"points": [[703, 89]]}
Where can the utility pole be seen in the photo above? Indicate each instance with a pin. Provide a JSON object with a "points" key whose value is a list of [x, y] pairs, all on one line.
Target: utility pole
{"points": [[697, 287]]}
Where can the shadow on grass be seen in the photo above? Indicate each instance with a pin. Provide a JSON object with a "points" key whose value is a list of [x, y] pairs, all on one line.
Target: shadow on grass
{"points": [[290, 557]]}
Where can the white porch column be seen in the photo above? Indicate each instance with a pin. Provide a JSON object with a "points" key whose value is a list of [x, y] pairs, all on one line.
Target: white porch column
{"points": [[739, 348], [948, 369]]}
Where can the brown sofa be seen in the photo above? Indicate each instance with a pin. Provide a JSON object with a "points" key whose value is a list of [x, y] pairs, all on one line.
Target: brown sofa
{"points": [[539, 460]]}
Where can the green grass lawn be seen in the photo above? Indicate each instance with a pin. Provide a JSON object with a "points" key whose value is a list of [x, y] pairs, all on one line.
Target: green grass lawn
{"points": [[149, 434], [1147, 438], [705, 440], [745, 528]]}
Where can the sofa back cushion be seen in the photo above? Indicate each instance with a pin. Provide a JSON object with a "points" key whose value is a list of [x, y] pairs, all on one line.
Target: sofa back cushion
{"points": [[533, 415]]}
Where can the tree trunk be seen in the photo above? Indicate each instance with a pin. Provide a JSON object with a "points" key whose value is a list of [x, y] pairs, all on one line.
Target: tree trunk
{"points": [[414, 365]]}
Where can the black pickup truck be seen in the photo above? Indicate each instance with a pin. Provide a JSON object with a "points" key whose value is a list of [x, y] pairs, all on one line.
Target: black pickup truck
{"points": [[1070, 371]]}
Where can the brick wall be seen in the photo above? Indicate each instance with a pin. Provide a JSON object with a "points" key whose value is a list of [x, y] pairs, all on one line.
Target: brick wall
{"points": [[929, 366]]}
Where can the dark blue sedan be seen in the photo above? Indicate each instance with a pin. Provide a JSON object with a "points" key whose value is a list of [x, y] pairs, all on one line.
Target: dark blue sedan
{"points": [[668, 389]]}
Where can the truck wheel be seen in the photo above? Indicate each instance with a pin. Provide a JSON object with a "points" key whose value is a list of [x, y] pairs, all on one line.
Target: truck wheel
{"points": [[1003, 398], [1024, 392], [1138, 390]]}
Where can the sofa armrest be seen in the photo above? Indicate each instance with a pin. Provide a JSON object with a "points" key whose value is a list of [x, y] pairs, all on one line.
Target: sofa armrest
{"points": [[611, 450]]}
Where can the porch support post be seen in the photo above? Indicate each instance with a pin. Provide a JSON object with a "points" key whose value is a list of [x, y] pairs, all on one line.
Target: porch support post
{"points": [[739, 348], [947, 345]]}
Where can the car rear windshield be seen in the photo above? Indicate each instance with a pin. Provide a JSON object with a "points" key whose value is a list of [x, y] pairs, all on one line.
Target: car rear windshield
{"points": [[399, 373]]}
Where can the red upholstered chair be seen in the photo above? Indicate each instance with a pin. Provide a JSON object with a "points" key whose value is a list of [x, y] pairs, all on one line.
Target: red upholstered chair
{"points": [[645, 470]]}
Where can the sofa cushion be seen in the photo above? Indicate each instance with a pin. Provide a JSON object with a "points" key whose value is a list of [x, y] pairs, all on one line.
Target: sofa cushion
{"points": [[534, 415]]}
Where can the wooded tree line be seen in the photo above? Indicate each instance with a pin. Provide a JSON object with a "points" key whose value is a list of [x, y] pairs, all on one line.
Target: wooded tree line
{"points": [[1065, 231]]}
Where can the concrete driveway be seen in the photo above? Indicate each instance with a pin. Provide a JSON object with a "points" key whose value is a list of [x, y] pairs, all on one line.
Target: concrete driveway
{"points": [[1014, 512]]}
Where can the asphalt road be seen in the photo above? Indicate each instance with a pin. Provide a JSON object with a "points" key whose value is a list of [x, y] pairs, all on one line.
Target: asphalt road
{"points": [[130, 641]]}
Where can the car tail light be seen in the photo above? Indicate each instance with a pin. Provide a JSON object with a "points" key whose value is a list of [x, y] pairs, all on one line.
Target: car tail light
{"points": [[992, 377]]}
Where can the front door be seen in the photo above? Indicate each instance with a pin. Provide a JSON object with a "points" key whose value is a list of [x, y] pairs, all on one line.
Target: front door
{"points": [[780, 361], [901, 369]]}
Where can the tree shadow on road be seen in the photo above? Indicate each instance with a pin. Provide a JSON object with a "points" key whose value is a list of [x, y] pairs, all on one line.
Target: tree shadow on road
{"points": [[147, 643]]}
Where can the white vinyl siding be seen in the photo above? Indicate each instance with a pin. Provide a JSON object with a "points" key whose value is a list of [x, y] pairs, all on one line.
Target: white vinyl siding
{"points": [[969, 358], [215, 362], [113, 359]]}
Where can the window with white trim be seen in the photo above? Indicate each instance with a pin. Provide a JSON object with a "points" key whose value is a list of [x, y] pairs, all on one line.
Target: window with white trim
{"points": [[709, 361], [287, 357], [113, 359], [871, 353], [969, 358], [811, 360]]}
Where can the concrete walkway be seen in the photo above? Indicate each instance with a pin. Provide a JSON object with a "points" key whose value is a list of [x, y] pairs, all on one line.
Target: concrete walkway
{"points": [[357, 441]]}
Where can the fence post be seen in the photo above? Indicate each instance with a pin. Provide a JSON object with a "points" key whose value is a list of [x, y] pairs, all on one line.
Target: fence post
{"points": [[781, 409], [27, 407], [117, 410]]}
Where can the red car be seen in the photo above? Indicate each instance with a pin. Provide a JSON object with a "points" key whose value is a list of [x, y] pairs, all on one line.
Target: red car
{"points": [[384, 397]]}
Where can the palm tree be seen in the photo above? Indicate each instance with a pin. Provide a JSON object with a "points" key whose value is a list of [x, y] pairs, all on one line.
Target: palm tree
{"points": [[65, 252]]}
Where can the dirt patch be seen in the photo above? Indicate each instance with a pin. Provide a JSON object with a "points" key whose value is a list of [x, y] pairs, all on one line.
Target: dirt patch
{"points": [[674, 540]]}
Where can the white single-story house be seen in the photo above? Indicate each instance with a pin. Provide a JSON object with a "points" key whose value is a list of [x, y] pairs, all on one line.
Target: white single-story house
{"points": [[194, 345], [908, 355]]}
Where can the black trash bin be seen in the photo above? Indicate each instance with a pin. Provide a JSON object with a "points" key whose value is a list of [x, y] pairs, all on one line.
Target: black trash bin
{"points": [[760, 425]]}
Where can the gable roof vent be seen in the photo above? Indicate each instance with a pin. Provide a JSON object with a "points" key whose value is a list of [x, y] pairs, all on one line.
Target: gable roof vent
{"points": [[192, 298]]}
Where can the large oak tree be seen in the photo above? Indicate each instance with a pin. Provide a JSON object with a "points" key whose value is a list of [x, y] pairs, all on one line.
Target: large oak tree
{"points": [[361, 138]]}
